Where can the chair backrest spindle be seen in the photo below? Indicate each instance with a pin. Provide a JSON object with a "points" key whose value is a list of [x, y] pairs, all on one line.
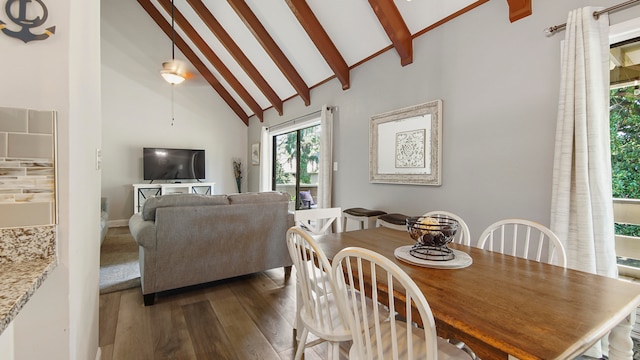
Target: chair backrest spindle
{"points": [[523, 241], [463, 236], [357, 269]]}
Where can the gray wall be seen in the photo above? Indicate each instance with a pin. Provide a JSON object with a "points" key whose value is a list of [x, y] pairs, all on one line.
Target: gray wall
{"points": [[136, 109], [499, 84]]}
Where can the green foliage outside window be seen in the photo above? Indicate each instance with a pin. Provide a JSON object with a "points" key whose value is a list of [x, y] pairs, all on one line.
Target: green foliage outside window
{"points": [[286, 154], [624, 115], [309, 151]]}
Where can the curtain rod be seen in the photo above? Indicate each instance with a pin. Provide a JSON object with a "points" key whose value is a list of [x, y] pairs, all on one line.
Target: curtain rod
{"points": [[596, 14], [300, 118]]}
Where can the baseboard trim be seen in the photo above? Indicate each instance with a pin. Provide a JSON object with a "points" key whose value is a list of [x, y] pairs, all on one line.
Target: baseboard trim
{"points": [[99, 353]]}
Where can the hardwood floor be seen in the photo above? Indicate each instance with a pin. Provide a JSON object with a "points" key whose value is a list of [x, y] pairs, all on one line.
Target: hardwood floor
{"points": [[249, 317]]}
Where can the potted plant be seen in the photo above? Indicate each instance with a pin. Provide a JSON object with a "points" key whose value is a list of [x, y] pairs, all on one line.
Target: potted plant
{"points": [[237, 170]]}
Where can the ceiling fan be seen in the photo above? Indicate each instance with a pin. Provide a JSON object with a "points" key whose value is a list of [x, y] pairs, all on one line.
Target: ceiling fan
{"points": [[174, 71]]}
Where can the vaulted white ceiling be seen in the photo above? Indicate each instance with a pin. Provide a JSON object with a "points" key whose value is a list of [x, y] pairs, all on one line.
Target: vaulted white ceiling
{"points": [[259, 53]]}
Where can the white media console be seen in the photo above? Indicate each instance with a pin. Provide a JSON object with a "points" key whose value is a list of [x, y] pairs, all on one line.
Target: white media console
{"points": [[142, 192]]}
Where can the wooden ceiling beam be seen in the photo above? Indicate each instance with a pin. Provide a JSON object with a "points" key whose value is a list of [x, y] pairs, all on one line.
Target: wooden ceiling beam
{"points": [[519, 9], [261, 34], [216, 28], [321, 39], [194, 60], [224, 71], [395, 27]]}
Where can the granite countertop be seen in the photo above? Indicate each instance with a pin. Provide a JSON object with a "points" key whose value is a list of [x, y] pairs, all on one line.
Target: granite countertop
{"points": [[27, 257]]}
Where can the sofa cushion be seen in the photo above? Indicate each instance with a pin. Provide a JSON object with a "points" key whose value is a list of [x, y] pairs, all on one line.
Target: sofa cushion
{"points": [[151, 204], [261, 197]]}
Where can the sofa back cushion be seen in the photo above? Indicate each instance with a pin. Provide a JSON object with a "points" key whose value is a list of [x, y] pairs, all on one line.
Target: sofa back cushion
{"points": [[260, 197], [153, 203]]}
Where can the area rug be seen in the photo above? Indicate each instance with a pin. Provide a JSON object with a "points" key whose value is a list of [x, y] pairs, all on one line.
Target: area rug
{"points": [[119, 269]]}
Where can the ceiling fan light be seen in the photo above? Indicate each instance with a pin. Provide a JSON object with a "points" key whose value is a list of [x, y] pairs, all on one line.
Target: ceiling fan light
{"points": [[172, 77]]}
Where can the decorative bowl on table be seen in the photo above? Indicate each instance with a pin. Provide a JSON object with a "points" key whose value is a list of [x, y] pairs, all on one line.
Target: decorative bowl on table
{"points": [[432, 234]]}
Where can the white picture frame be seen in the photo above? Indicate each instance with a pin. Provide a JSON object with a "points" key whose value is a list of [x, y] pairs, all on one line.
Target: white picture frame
{"points": [[255, 154], [405, 145]]}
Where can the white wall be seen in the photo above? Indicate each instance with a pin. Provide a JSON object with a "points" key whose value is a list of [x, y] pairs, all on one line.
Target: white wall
{"points": [[60, 321], [499, 84], [6, 343], [136, 109]]}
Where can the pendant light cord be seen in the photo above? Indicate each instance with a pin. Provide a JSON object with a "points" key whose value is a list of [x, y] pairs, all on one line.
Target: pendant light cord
{"points": [[173, 57], [172, 106], [173, 33]]}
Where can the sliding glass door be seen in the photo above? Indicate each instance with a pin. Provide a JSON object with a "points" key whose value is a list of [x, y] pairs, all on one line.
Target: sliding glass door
{"points": [[295, 165]]}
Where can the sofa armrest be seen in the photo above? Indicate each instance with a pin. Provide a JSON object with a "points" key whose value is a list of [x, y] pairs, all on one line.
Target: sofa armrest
{"points": [[144, 232], [104, 218]]}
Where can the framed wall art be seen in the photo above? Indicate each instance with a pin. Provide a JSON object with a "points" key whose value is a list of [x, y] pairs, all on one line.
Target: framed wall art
{"points": [[405, 145], [255, 154]]}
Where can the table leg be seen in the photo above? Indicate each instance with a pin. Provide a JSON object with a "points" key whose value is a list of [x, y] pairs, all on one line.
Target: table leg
{"points": [[620, 344]]}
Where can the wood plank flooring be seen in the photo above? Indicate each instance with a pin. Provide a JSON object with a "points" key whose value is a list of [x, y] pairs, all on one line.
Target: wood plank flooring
{"points": [[249, 317]]}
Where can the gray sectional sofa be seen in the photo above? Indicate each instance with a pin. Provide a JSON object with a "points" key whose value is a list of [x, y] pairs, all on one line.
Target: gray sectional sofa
{"points": [[189, 239], [104, 218]]}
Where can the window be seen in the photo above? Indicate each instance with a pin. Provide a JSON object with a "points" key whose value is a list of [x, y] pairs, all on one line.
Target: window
{"points": [[624, 116], [296, 164], [292, 154]]}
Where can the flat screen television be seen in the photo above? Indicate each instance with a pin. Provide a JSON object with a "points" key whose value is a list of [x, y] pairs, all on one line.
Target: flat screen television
{"points": [[173, 164]]}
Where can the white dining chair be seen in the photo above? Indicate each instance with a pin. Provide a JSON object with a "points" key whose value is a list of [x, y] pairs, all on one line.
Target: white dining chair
{"points": [[319, 221], [318, 312], [463, 235], [396, 336], [524, 238], [316, 221]]}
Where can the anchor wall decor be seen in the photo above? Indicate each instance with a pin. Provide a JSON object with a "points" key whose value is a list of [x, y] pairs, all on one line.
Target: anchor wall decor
{"points": [[17, 12]]}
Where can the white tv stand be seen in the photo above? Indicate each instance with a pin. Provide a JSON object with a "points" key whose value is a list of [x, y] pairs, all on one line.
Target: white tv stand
{"points": [[141, 192]]}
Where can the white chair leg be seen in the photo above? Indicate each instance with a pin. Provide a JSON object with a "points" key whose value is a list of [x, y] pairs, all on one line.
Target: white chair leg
{"points": [[370, 222], [361, 222], [297, 324], [333, 352], [301, 344]]}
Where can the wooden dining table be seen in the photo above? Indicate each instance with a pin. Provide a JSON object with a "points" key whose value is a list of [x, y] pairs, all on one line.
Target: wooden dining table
{"points": [[504, 307]]}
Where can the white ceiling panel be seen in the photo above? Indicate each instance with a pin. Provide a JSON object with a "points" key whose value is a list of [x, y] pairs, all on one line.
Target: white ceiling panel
{"points": [[302, 57], [353, 27], [222, 53], [420, 14], [250, 46], [285, 30]]}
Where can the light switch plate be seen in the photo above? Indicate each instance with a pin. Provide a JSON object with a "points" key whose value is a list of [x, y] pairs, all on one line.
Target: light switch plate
{"points": [[98, 159]]}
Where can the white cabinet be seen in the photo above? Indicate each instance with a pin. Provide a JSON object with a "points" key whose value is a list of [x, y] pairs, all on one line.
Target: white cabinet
{"points": [[142, 192]]}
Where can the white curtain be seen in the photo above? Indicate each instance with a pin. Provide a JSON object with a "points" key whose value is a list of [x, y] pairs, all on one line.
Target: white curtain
{"points": [[581, 203], [265, 159], [325, 171]]}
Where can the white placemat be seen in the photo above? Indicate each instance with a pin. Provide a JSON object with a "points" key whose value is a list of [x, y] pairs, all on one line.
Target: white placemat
{"points": [[461, 259]]}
